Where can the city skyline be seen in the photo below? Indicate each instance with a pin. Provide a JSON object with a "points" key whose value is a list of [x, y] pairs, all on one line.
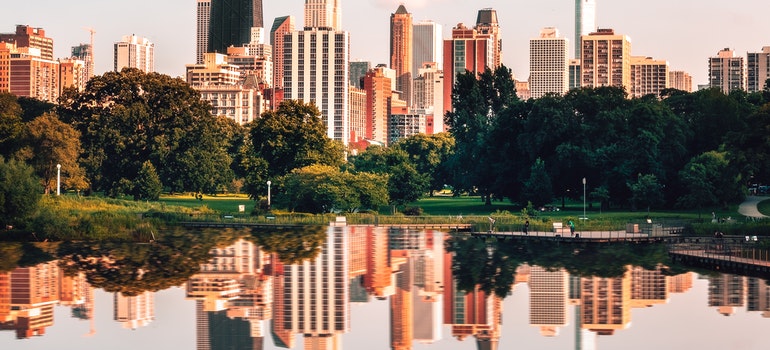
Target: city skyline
{"points": [[175, 35]]}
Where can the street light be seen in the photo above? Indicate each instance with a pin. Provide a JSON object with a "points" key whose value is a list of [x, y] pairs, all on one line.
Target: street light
{"points": [[268, 194], [58, 179], [584, 199]]}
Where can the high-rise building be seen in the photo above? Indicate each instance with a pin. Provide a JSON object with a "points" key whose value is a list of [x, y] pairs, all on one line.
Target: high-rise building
{"points": [[281, 27], [26, 36], [427, 40], [548, 63], [648, 76], [323, 15], [585, 21], [605, 59], [72, 73], [30, 75], [726, 71], [134, 311], [757, 69], [680, 80], [358, 117], [401, 51], [465, 51], [231, 22], [358, 70], [487, 25], [316, 67], [5, 65], [403, 125], [203, 15], [379, 92], [548, 300], [429, 98], [84, 52], [574, 73], [135, 52]]}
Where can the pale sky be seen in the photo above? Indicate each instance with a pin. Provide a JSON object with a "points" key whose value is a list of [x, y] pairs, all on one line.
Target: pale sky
{"points": [[683, 32]]}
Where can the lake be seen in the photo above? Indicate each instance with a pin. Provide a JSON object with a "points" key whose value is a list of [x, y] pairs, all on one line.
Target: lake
{"points": [[356, 287]]}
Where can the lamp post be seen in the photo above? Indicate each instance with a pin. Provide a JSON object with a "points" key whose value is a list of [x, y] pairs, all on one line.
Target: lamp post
{"points": [[268, 194], [58, 179], [584, 199]]}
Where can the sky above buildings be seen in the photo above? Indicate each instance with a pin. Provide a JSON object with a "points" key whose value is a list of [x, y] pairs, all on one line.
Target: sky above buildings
{"points": [[683, 32]]}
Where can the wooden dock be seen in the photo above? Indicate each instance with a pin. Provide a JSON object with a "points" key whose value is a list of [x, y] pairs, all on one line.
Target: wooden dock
{"points": [[580, 236]]}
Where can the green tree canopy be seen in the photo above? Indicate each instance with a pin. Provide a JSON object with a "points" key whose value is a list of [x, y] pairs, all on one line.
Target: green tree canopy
{"points": [[19, 191], [126, 118]]}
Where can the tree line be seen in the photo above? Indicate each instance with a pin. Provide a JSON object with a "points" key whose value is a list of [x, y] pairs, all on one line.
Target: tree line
{"points": [[137, 134]]}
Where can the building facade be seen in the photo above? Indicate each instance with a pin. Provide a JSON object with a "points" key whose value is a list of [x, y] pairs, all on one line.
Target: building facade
{"points": [[465, 51], [726, 71], [427, 37], [231, 22], [134, 52], [605, 59], [31, 75], [487, 25], [26, 36], [680, 80], [548, 63], [757, 69], [84, 52], [648, 76]]}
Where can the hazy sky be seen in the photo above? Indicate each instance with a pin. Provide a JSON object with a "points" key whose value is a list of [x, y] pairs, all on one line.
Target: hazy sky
{"points": [[684, 32]]}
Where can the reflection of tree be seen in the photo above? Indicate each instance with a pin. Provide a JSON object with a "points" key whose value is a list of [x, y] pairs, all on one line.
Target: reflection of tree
{"points": [[292, 245], [491, 264], [18, 254], [132, 268]]}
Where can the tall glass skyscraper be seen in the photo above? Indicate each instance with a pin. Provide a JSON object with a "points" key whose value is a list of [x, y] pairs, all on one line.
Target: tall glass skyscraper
{"points": [[231, 22], [585, 21]]}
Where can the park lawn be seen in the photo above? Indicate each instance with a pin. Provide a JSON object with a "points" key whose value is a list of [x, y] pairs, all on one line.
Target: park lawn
{"points": [[764, 207], [224, 204], [463, 205]]}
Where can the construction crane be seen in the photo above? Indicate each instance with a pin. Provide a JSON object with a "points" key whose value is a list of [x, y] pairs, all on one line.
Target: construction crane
{"points": [[91, 61]]}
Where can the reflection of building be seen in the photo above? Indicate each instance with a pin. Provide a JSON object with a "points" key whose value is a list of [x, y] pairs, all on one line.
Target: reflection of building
{"points": [[401, 302], [548, 300], [758, 296], [30, 295], [648, 287], [315, 298], [134, 311], [605, 303], [726, 292]]}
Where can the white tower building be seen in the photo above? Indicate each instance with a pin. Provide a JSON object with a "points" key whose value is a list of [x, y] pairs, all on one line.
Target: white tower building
{"points": [[548, 63], [585, 21], [135, 52]]}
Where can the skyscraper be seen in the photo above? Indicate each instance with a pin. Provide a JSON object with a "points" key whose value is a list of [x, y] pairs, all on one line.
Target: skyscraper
{"points": [[648, 76], [84, 52], [231, 22], [606, 59], [548, 63], [726, 71], [585, 21], [427, 39], [401, 51], [203, 14], [26, 36], [466, 51], [317, 67], [281, 26], [487, 25], [135, 52], [680, 80], [757, 69]]}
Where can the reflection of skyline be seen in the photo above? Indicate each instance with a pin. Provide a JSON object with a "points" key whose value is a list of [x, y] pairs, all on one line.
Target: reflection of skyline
{"points": [[243, 294]]}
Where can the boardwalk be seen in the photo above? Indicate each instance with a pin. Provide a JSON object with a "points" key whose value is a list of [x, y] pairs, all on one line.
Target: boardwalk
{"points": [[580, 236]]}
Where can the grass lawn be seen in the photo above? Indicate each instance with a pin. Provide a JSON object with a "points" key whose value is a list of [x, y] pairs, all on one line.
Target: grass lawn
{"points": [[225, 204], [764, 207]]}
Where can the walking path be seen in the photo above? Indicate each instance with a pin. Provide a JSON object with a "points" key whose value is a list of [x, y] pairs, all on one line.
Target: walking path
{"points": [[749, 207]]}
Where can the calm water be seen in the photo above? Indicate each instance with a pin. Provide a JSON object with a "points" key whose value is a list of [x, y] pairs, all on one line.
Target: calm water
{"points": [[367, 288]]}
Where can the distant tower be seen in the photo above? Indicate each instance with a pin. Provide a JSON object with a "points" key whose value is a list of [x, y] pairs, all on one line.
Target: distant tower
{"points": [[323, 14], [726, 71], [757, 69], [487, 25], [135, 52], [426, 45], [648, 76], [585, 21], [26, 36], [548, 63], [231, 23], [401, 51], [466, 51], [203, 11], [680, 80]]}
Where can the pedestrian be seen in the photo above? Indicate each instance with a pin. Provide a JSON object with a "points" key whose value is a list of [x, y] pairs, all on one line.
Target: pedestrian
{"points": [[571, 228], [526, 227]]}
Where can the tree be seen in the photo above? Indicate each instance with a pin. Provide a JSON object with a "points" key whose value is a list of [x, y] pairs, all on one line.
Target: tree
{"points": [[430, 155], [19, 191], [646, 192], [288, 138], [11, 126], [538, 188], [405, 184], [710, 181], [147, 185], [48, 142], [322, 189], [126, 118]]}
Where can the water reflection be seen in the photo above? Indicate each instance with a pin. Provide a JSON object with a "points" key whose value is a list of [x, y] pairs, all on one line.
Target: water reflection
{"points": [[251, 292]]}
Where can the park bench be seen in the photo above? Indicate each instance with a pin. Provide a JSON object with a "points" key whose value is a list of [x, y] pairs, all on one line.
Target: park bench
{"points": [[560, 229]]}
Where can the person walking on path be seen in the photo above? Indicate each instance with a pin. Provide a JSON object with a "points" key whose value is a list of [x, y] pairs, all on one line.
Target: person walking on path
{"points": [[526, 227], [571, 228]]}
